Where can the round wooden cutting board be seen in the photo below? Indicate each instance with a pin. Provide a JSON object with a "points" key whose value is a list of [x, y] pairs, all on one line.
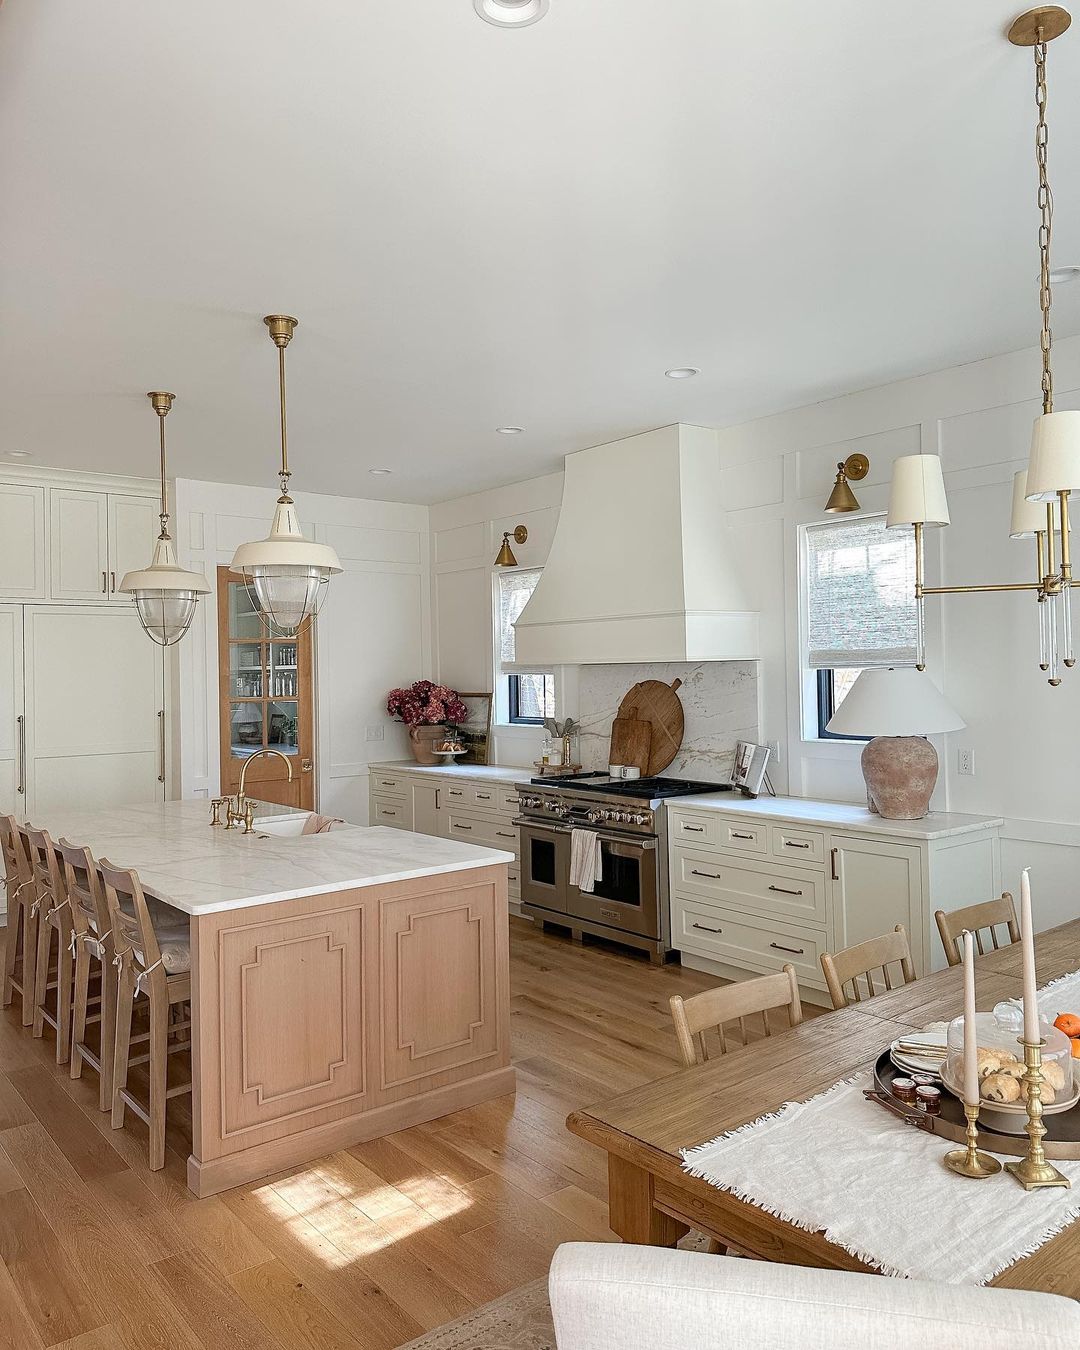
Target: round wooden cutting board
{"points": [[659, 704]]}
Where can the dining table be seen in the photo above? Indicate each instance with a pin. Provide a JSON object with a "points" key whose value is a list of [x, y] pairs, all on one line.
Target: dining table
{"points": [[653, 1200]]}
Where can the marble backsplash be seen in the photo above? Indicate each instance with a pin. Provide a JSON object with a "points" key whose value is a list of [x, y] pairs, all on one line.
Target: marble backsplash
{"points": [[720, 705]]}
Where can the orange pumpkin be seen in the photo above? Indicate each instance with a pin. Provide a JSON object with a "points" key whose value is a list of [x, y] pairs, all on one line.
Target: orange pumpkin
{"points": [[1069, 1023]]}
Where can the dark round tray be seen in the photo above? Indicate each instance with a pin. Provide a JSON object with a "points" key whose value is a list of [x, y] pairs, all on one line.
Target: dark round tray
{"points": [[1062, 1130]]}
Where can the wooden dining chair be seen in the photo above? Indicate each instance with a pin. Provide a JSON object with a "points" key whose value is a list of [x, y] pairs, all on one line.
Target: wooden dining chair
{"points": [[154, 964], [709, 1010], [989, 915], [20, 947], [863, 961], [54, 921], [94, 953]]}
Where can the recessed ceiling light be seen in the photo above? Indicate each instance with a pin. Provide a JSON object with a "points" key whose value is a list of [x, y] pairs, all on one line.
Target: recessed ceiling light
{"points": [[511, 13], [380, 472], [19, 454], [509, 431], [682, 372], [1060, 275]]}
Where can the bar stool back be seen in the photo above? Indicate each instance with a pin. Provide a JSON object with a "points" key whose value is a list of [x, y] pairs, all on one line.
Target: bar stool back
{"points": [[20, 948], [94, 953], [54, 919]]}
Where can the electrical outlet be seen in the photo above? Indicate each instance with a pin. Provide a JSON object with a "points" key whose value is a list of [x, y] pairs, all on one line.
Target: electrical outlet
{"points": [[375, 733], [774, 746], [965, 762]]}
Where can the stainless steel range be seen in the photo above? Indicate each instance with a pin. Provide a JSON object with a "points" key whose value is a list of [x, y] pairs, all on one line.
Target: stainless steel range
{"points": [[630, 902]]}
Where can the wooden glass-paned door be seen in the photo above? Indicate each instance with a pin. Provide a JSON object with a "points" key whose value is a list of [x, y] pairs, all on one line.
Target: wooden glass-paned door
{"points": [[265, 701]]}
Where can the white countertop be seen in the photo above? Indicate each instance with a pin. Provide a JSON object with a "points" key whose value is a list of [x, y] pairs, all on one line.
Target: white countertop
{"points": [[839, 815], [200, 870], [488, 773]]}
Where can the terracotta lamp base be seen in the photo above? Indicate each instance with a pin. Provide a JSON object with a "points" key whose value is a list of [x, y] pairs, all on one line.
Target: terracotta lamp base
{"points": [[901, 773]]}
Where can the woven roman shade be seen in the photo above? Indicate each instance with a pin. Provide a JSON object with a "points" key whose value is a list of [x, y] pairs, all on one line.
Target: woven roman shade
{"points": [[860, 589]]}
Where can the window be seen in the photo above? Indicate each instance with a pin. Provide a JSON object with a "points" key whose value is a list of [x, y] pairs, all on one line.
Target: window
{"points": [[530, 696], [860, 602]]}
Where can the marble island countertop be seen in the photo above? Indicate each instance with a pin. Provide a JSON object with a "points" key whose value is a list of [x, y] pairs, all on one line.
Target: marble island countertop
{"points": [[200, 870]]}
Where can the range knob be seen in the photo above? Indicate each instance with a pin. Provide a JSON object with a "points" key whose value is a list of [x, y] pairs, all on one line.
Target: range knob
{"points": [[641, 820]]}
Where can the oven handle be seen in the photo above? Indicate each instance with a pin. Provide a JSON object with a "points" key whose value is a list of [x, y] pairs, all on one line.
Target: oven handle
{"points": [[645, 843]]}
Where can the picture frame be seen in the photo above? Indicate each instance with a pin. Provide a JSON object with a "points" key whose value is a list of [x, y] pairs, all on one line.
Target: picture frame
{"points": [[475, 731]]}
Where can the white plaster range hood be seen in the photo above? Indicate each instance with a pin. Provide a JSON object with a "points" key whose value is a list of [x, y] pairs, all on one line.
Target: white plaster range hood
{"points": [[641, 568]]}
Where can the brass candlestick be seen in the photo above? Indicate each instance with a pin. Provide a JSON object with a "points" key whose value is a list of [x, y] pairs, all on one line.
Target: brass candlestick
{"points": [[1033, 1171], [969, 1161]]}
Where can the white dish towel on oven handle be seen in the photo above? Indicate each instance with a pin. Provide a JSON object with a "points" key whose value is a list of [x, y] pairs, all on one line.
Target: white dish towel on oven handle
{"points": [[586, 859]]}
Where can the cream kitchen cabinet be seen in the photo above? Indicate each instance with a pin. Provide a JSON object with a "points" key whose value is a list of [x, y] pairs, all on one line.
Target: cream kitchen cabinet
{"points": [[94, 538], [23, 571], [755, 884]]}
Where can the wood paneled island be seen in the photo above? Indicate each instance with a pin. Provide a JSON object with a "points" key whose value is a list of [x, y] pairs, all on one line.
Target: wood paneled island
{"points": [[344, 985]]}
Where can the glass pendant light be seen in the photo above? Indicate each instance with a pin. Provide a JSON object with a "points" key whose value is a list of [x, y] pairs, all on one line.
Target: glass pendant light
{"points": [[287, 574], [165, 595]]}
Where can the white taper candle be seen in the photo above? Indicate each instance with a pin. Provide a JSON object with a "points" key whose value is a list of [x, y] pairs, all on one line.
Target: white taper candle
{"points": [[1027, 946], [971, 1043]]}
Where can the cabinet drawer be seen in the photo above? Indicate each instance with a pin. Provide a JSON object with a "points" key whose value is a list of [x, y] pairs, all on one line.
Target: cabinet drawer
{"points": [[797, 845], [508, 800], [748, 836], [696, 827], [482, 796], [746, 942], [393, 811], [389, 784], [786, 892], [476, 829]]}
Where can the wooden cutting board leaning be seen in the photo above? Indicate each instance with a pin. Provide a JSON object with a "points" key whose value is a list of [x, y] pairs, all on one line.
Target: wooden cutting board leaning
{"points": [[631, 742], [659, 705]]}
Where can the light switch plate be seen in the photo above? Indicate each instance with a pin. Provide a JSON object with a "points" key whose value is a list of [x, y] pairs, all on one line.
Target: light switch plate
{"points": [[374, 733]]}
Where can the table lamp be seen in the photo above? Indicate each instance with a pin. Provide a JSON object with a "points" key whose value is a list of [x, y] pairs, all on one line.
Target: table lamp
{"points": [[898, 708]]}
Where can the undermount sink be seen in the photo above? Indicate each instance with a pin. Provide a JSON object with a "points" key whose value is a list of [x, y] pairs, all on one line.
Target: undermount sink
{"points": [[287, 826]]}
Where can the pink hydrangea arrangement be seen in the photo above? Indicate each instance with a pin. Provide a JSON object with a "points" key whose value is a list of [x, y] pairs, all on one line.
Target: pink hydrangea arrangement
{"points": [[425, 704]]}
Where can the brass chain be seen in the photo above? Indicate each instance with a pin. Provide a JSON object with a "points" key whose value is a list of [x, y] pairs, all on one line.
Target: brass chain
{"points": [[1046, 222]]}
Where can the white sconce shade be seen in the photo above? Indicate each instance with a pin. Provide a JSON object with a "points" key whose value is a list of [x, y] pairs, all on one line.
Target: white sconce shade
{"points": [[1028, 518], [894, 702], [1054, 465], [917, 494]]}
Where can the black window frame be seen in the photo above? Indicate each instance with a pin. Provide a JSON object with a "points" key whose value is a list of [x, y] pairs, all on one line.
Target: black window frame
{"points": [[514, 704], [826, 706]]}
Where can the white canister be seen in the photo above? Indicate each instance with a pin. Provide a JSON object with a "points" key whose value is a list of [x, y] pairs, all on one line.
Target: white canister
{"points": [[616, 770], [631, 771]]}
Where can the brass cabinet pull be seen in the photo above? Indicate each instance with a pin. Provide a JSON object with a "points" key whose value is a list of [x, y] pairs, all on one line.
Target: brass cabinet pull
{"points": [[713, 876], [795, 951], [704, 927], [505, 834], [454, 792], [20, 722], [832, 868], [483, 796], [113, 576], [783, 890], [735, 834], [104, 583], [161, 746], [462, 827], [694, 829], [387, 812], [788, 843], [388, 782]]}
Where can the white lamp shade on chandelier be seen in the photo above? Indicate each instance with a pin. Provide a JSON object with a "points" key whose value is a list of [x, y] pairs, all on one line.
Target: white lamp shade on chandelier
{"points": [[894, 702], [165, 594], [917, 495], [1054, 465], [287, 572], [1028, 517]]}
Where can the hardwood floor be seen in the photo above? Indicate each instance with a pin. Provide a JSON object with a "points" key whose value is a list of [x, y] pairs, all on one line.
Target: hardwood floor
{"points": [[366, 1248]]}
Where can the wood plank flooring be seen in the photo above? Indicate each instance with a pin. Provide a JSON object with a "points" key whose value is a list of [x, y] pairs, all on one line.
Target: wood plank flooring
{"points": [[366, 1248]]}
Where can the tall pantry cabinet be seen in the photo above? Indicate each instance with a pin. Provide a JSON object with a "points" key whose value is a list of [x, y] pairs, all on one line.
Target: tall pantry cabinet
{"points": [[84, 693]]}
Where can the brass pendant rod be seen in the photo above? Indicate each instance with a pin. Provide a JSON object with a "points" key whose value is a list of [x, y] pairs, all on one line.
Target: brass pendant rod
{"points": [[967, 590], [1066, 559], [1045, 199], [1051, 552], [284, 424], [164, 485]]}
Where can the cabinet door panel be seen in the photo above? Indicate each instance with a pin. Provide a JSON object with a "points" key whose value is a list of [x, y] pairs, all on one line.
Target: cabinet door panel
{"points": [[133, 527], [877, 886], [22, 542], [12, 801], [80, 544]]}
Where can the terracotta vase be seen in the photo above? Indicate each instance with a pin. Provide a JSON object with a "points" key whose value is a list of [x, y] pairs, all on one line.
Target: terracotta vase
{"points": [[421, 739], [900, 773]]}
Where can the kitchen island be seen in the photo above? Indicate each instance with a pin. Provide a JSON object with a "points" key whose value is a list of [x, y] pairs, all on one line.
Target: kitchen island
{"points": [[344, 985]]}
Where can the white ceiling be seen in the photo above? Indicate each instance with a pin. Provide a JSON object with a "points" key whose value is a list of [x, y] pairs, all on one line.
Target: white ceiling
{"points": [[478, 226]]}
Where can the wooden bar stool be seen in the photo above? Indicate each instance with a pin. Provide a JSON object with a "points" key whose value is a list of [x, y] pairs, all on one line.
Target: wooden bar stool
{"points": [[94, 953], [155, 965], [54, 917], [20, 949]]}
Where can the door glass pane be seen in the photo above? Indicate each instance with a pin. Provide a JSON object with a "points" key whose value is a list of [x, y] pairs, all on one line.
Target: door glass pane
{"points": [[622, 878], [283, 671], [542, 861], [244, 619], [282, 727], [245, 669], [245, 728]]}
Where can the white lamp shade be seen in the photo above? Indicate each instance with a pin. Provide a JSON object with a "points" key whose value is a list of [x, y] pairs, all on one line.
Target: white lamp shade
{"points": [[897, 702], [917, 494], [1054, 465], [288, 573], [1028, 518], [166, 595]]}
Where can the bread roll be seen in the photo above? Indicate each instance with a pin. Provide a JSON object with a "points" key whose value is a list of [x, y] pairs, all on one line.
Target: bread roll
{"points": [[1000, 1087]]}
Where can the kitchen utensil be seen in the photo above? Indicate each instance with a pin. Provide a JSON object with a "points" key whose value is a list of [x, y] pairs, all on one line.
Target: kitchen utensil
{"points": [[658, 704], [631, 741]]}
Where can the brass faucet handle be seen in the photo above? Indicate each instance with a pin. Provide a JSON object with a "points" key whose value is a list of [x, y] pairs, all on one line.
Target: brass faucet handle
{"points": [[249, 819], [215, 810], [232, 816]]}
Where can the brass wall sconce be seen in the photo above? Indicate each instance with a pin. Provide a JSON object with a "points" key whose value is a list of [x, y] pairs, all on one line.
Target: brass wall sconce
{"points": [[841, 498], [506, 553]]}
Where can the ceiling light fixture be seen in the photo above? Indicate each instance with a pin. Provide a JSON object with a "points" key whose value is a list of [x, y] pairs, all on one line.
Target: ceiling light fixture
{"points": [[505, 556], [287, 574], [19, 454], [379, 472], [682, 372], [917, 496], [165, 595], [511, 13], [841, 498], [509, 431], [1061, 276]]}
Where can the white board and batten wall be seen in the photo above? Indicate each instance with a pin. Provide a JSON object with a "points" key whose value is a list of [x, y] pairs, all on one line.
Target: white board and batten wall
{"points": [[373, 632], [775, 474]]}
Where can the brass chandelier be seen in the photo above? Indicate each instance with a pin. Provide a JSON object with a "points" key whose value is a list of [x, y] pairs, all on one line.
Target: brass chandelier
{"points": [[1041, 492]]}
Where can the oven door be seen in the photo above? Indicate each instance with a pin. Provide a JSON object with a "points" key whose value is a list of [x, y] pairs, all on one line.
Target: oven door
{"points": [[545, 864], [627, 896]]}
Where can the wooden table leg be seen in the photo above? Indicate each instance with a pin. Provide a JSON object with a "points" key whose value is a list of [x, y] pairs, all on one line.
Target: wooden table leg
{"points": [[630, 1207]]}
